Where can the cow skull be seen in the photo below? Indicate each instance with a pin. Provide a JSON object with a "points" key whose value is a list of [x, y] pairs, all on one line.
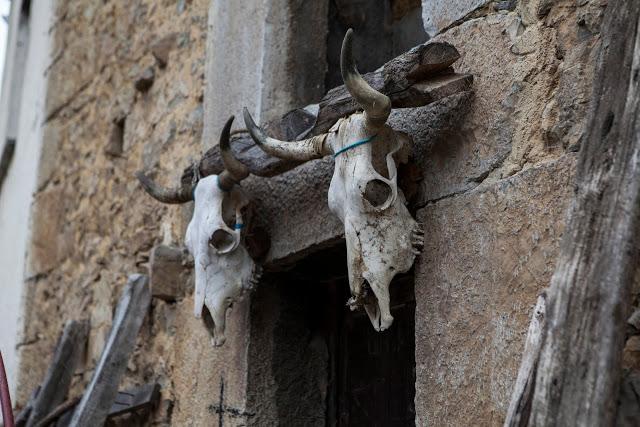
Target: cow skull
{"points": [[223, 268], [381, 235]]}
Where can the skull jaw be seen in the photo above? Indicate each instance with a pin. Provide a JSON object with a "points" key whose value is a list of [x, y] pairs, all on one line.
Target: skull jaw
{"points": [[227, 280], [376, 252], [380, 323]]}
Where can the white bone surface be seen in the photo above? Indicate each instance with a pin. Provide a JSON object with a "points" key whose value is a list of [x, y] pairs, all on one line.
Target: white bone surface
{"points": [[222, 276], [381, 241]]}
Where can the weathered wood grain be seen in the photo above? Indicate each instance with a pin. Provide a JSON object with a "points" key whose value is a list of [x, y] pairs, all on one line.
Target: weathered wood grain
{"points": [[101, 392], [520, 406], [135, 399], [340, 105], [25, 413], [68, 353], [579, 371], [416, 78]]}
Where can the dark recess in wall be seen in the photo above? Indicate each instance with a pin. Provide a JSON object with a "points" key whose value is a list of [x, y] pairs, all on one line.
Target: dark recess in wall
{"points": [[383, 28]]}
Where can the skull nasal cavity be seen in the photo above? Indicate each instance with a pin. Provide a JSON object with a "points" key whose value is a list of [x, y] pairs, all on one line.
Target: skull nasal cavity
{"points": [[377, 192], [221, 240]]}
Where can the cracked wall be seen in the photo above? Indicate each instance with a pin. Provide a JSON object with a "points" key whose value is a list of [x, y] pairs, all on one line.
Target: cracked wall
{"points": [[126, 91], [495, 194]]}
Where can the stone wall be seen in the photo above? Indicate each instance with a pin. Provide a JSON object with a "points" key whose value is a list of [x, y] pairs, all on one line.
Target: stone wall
{"points": [[126, 92]]}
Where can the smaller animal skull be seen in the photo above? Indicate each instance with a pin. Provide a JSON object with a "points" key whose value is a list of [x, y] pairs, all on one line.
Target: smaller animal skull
{"points": [[382, 237], [223, 268]]}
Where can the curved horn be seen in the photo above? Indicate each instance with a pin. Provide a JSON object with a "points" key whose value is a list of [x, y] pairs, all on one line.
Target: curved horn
{"points": [[165, 195], [231, 164], [307, 149], [376, 105]]}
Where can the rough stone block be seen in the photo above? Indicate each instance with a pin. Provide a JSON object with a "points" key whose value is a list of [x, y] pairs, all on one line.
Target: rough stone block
{"points": [[501, 130], [487, 255], [169, 272], [145, 79], [439, 14], [161, 48], [295, 210], [49, 244]]}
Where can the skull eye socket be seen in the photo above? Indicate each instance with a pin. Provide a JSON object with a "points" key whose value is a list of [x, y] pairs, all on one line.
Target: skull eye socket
{"points": [[222, 240], [377, 192]]}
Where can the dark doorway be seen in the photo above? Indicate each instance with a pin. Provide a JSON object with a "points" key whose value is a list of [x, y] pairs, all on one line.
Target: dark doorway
{"points": [[384, 29], [314, 362]]}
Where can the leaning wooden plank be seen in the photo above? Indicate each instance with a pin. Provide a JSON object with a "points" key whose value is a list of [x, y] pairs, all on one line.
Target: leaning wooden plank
{"points": [[135, 399], [58, 411], [127, 401], [579, 372], [67, 355], [25, 413], [518, 413], [103, 388]]}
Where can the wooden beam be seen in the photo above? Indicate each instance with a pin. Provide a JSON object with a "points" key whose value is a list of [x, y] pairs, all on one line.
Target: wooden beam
{"points": [[331, 109], [416, 78], [579, 371], [102, 391], [68, 353]]}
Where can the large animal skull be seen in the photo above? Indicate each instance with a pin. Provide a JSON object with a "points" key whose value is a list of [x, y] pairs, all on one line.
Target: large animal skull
{"points": [[382, 237], [224, 270]]}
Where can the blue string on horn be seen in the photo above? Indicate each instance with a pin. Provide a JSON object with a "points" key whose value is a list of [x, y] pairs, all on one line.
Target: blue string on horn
{"points": [[354, 145]]}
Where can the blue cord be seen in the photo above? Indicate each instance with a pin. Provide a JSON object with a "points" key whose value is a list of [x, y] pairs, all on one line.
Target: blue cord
{"points": [[354, 145]]}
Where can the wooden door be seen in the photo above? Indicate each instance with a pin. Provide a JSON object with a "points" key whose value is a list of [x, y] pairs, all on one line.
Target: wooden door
{"points": [[375, 372]]}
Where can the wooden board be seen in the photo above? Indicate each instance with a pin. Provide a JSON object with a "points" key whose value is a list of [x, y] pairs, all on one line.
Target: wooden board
{"points": [[68, 353], [102, 391]]}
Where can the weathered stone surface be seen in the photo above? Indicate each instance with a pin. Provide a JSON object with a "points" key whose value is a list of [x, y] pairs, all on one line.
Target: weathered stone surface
{"points": [[169, 272], [92, 224], [116, 139], [527, 106], [294, 209], [437, 15], [207, 376], [162, 47], [145, 79], [487, 254], [264, 86], [50, 245]]}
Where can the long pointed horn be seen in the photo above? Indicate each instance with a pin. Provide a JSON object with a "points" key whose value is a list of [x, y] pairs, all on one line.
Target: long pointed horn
{"points": [[231, 164], [307, 149], [165, 195], [376, 106]]}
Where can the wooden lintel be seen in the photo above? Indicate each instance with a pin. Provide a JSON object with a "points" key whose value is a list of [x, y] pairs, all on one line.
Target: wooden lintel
{"points": [[261, 164]]}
